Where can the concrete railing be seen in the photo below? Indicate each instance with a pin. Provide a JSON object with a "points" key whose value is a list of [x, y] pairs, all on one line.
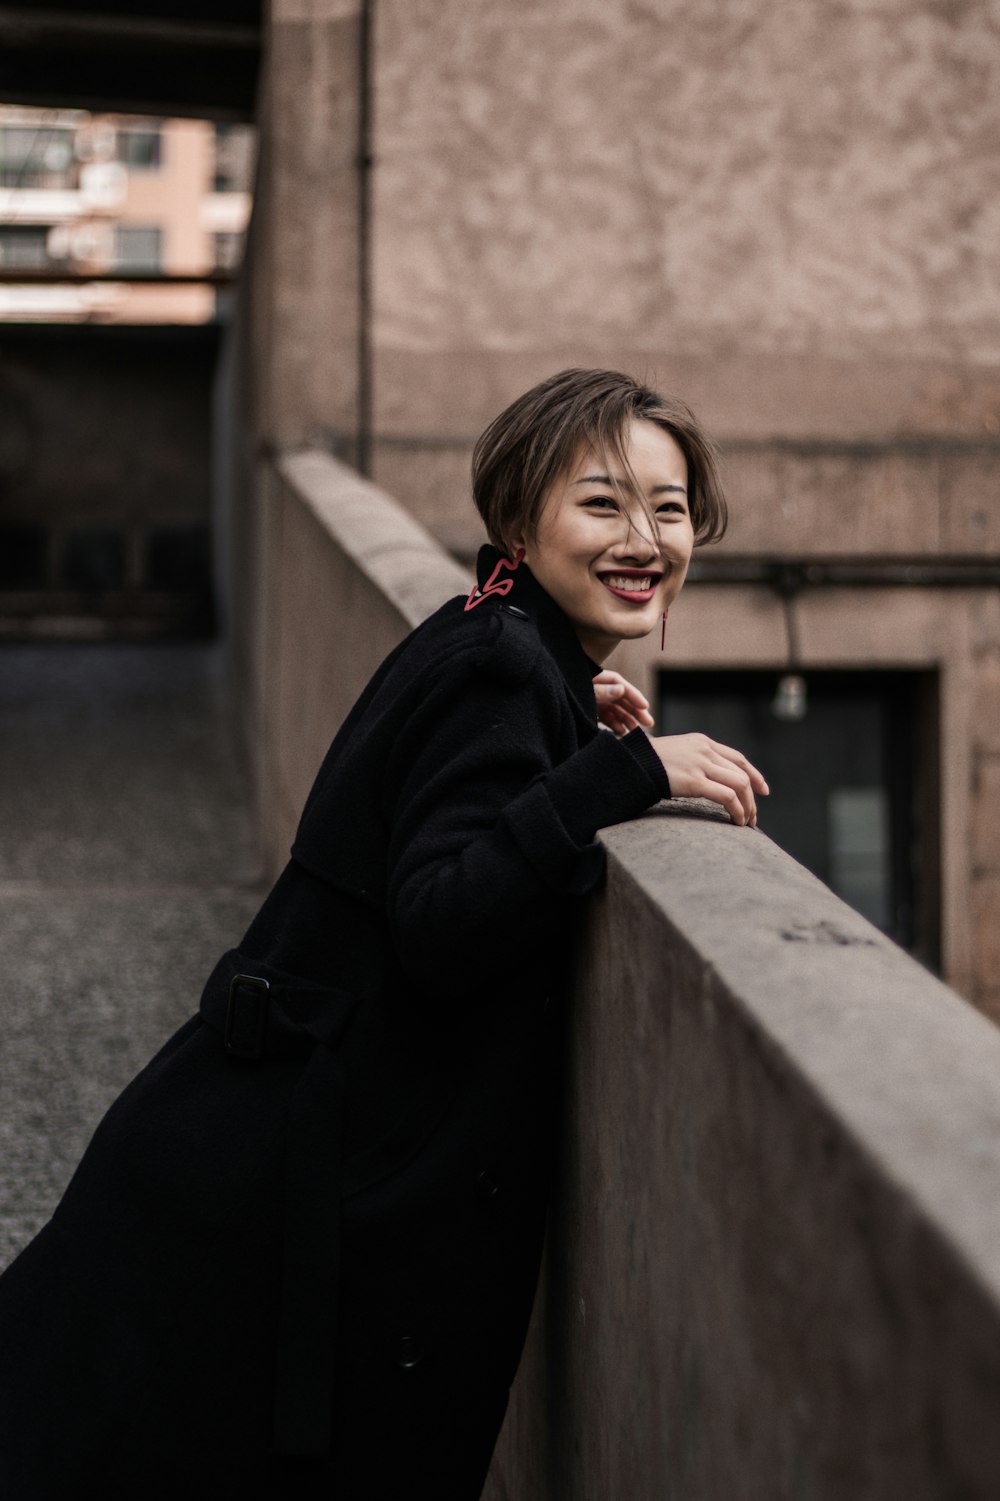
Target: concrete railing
{"points": [[773, 1267], [345, 574]]}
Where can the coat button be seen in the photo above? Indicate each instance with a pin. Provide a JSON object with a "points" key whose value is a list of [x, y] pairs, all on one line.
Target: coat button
{"points": [[409, 1352], [516, 610], [487, 1186]]}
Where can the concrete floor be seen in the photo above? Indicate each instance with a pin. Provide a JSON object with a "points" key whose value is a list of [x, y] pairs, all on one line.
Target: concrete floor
{"points": [[127, 864]]}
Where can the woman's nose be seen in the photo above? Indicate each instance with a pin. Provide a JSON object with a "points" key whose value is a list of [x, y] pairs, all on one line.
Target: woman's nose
{"points": [[635, 545]]}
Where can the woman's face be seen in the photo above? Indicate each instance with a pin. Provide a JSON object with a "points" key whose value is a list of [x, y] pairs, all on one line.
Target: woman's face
{"points": [[594, 553]]}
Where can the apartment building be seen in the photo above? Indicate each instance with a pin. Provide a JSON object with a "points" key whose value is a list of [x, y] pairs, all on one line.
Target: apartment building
{"points": [[116, 218]]}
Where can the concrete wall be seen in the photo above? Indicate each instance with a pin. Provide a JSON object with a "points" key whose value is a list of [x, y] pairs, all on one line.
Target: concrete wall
{"points": [[291, 373], [306, 335], [773, 1267], [788, 214], [774, 1263]]}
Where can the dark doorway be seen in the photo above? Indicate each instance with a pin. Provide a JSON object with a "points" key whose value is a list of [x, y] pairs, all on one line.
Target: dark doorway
{"points": [[854, 783]]}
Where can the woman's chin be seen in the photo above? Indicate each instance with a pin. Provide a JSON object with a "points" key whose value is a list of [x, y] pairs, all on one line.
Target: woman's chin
{"points": [[635, 631], [633, 624]]}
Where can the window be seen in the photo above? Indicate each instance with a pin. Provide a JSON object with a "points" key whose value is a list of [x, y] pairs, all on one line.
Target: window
{"points": [[140, 149], [138, 247], [36, 157], [858, 841], [854, 784], [24, 247], [234, 154]]}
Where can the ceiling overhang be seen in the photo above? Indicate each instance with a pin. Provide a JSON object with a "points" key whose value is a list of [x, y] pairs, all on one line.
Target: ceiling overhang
{"points": [[164, 57]]}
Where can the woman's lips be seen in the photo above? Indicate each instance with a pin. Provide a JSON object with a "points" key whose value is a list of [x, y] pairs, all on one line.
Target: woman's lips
{"points": [[634, 596]]}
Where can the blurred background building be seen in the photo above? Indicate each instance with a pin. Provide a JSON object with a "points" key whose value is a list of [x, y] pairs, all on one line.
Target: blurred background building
{"points": [[130, 228], [85, 198], [785, 214]]}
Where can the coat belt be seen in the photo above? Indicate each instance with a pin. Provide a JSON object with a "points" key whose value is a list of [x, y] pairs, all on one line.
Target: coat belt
{"points": [[262, 1015]]}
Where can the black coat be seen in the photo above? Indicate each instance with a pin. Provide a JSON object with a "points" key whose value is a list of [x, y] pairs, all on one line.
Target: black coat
{"points": [[298, 1256]]}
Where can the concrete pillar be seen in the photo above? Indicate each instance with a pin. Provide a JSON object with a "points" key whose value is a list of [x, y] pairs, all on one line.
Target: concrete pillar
{"points": [[296, 367], [308, 322]]}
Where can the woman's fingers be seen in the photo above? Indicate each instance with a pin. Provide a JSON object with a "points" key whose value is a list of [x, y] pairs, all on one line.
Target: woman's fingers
{"points": [[620, 705], [738, 783], [620, 720], [741, 761], [729, 798], [700, 767]]}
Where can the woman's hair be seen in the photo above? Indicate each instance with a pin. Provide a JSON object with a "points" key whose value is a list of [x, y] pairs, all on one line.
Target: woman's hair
{"points": [[536, 438]]}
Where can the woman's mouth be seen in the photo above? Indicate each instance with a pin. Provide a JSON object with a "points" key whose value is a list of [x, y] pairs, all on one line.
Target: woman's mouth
{"points": [[637, 588]]}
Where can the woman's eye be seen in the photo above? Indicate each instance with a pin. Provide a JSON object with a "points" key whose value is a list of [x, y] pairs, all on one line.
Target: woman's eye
{"points": [[671, 508], [602, 502]]}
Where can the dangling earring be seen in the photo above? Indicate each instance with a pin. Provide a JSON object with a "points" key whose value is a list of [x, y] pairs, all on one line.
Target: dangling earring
{"points": [[663, 631]]}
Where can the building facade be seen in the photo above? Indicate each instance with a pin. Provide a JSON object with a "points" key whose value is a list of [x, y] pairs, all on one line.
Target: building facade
{"points": [[85, 198]]}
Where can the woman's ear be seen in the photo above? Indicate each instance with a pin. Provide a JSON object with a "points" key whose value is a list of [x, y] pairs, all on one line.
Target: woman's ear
{"points": [[515, 545]]}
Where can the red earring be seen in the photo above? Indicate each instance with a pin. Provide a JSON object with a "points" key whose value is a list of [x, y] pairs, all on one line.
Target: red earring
{"points": [[493, 585], [663, 631]]}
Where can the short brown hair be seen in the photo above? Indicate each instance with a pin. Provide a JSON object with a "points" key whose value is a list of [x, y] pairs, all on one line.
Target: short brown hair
{"points": [[535, 439]]}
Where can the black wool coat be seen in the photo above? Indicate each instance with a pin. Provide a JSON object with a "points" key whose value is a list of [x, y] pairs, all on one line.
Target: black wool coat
{"points": [[299, 1254]]}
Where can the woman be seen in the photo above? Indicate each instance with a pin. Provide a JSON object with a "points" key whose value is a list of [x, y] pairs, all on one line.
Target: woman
{"points": [[299, 1255]]}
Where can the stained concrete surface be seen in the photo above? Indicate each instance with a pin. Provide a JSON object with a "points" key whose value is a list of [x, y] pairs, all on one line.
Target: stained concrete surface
{"points": [[127, 864]]}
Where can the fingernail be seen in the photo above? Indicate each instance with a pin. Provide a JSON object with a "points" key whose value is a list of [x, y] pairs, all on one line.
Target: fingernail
{"points": [[766, 788], [615, 688]]}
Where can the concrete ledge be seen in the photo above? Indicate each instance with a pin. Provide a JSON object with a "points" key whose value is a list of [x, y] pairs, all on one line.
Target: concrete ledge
{"points": [[773, 1269], [879, 1041], [346, 573], [397, 555]]}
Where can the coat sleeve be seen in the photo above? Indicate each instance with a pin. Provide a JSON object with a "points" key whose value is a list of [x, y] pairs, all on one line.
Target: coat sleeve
{"points": [[488, 827]]}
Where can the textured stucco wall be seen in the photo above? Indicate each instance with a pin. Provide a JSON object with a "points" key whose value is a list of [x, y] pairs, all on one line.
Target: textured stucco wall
{"points": [[787, 213], [307, 240], [790, 213]]}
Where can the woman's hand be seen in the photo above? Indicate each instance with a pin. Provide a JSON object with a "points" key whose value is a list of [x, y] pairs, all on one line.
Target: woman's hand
{"points": [[620, 705], [700, 767]]}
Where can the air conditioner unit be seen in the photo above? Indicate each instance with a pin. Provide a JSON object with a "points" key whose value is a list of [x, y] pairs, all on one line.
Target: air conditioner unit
{"points": [[95, 141], [103, 184]]}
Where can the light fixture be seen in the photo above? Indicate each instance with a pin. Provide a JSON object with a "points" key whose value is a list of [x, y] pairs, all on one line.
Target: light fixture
{"points": [[790, 702]]}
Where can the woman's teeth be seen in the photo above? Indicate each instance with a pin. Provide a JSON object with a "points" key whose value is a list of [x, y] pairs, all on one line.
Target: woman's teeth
{"points": [[627, 582]]}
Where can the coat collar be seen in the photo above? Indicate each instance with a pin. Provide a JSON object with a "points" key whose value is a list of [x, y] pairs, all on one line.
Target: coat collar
{"points": [[554, 626]]}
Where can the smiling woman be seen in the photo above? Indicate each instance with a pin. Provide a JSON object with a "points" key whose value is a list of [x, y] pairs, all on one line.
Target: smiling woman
{"points": [[614, 549], [602, 486], [299, 1255]]}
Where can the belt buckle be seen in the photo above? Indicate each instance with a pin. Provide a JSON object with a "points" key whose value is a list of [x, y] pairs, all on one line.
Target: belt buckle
{"points": [[246, 1017]]}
